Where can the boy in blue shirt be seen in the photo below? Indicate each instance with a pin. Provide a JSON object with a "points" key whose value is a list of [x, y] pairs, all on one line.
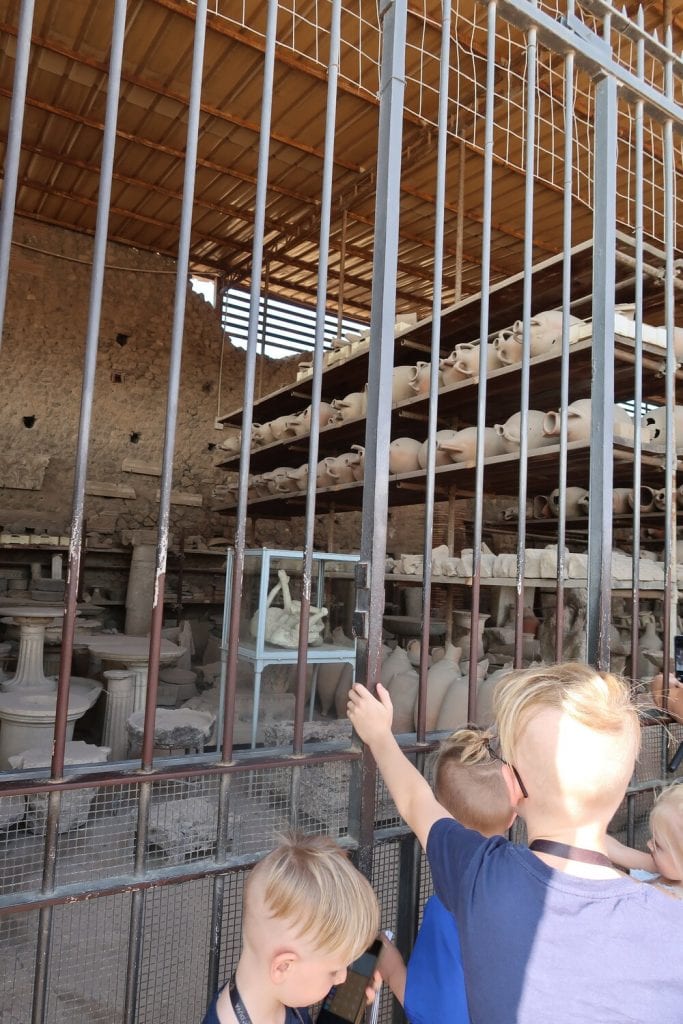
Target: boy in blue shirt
{"points": [[553, 932], [308, 913], [468, 782]]}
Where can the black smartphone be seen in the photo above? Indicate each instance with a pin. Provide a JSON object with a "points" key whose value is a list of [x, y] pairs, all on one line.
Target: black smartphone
{"points": [[346, 1003], [678, 657]]}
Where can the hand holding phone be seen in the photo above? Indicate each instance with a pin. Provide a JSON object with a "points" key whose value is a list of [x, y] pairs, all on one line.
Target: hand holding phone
{"points": [[346, 1003]]}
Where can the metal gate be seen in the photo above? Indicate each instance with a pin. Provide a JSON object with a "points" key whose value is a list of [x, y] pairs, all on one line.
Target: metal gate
{"points": [[579, 106]]}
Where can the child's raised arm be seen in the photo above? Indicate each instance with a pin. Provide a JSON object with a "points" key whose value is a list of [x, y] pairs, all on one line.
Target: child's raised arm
{"points": [[371, 718], [627, 857]]}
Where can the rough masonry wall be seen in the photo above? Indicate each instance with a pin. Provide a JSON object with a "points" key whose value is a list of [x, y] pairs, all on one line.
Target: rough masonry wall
{"points": [[41, 365]]}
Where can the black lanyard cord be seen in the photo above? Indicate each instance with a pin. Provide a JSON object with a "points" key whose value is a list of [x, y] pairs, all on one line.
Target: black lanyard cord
{"points": [[571, 853], [240, 1010]]}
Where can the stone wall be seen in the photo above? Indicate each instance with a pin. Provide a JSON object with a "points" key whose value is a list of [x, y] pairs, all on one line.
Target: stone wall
{"points": [[41, 370]]}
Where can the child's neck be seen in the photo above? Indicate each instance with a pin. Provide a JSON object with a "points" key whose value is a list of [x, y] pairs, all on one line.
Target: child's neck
{"points": [[585, 837], [258, 998]]}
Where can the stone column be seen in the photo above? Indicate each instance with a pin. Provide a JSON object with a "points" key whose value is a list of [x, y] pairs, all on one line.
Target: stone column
{"points": [[120, 697], [140, 593]]}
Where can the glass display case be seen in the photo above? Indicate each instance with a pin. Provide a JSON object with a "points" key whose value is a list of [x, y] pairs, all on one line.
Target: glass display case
{"points": [[270, 612]]}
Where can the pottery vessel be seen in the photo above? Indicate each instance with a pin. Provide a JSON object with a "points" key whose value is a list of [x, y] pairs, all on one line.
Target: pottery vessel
{"points": [[449, 372], [439, 677], [404, 455], [484, 710], [420, 381], [325, 414], [359, 467], [508, 346], [283, 481], [232, 443], [401, 378], [404, 687], [322, 477], [353, 406], [261, 434], [279, 428], [463, 447], [647, 499], [545, 331], [579, 422], [299, 477], [468, 356], [442, 456], [453, 711], [657, 420], [297, 425], [540, 508], [341, 467], [341, 694], [395, 662], [573, 498], [509, 432]]}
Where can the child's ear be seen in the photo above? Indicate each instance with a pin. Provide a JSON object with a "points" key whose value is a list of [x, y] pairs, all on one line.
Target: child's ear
{"points": [[512, 785], [280, 966]]}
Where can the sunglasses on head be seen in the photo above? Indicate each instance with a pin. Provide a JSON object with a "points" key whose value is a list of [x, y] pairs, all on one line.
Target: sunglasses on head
{"points": [[497, 756]]}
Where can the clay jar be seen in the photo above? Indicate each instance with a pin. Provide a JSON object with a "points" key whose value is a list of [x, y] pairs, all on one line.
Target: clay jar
{"points": [[353, 406], [401, 378], [463, 447], [403, 455], [579, 422], [325, 414], [297, 425], [439, 678], [657, 420], [340, 469], [647, 499], [449, 372], [442, 456], [232, 443], [508, 346], [573, 499], [279, 428], [358, 467], [468, 357], [322, 477], [283, 481], [395, 662], [453, 711], [261, 433], [545, 331], [509, 432], [299, 477], [420, 382], [404, 687]]}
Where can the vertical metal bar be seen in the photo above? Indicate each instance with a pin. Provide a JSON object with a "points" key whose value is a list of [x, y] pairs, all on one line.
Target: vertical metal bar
{"points": [[370, 598], [487, 190], [460, 226], [567, 183], [437, 289], [670, 613], [638, 238], [529, 153], [342, 271], [76, 537], [316, 387], [13, 151], [249, 376], [166, 482], [135, 947], [602, 386]]}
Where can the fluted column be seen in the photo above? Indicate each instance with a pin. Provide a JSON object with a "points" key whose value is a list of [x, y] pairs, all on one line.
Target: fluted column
{"points": [[120, 698]]}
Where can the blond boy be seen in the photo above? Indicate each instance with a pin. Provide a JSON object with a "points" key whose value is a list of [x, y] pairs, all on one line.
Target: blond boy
{"points": [[553, 932], [307, 914]]}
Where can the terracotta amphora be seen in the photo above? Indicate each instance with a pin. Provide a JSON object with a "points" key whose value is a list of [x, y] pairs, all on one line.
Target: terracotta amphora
{"points": [[340, 468], [279, 428], [453, 711], [353, 406], [341, 694], [403, 455], [508, 346], [404, 687], [468, 356], [297, 425], [442, 456], [232, 443], [439, 677], [261, 434], [509, 432], [325, 414], [322, 477], [573, 498], [395, 662], [420, 382], [359, 466], [545, 331], [449, 372], [647, 499], [401, 378], [299, 477], [463, 447], [657, 420]]}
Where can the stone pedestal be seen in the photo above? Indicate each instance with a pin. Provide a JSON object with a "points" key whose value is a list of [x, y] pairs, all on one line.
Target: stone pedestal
{"points": [[120, 685], [179, 731]]}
